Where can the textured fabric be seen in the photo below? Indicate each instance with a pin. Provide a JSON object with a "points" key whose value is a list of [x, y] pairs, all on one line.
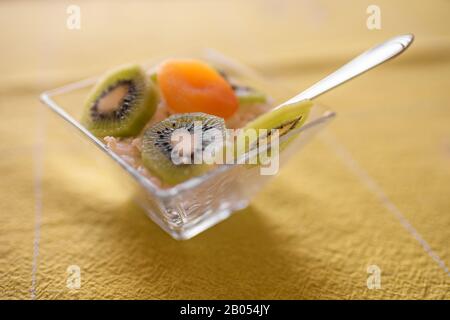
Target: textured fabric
{"points": [[372, 190]]}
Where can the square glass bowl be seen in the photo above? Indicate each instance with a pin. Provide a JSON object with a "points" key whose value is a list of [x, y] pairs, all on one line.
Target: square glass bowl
{"points": [[195, 205]]}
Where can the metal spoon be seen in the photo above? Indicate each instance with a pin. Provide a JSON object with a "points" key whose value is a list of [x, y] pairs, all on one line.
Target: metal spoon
{"points": [[362, 63]]}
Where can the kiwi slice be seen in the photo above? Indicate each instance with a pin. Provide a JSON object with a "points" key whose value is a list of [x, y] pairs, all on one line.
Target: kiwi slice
{"points": [[248, 96], [154, 77], [159, 145], [284, 119], [121, 103]]}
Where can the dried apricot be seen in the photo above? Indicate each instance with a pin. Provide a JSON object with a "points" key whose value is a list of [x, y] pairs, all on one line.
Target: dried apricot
{"points": [[194, 86]]}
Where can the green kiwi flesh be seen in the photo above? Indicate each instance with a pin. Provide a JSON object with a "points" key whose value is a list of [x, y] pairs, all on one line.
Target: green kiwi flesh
{"points": [[284, 119], [249, 96], [157, 146], [245, 95], [121, 103], [154, 77]]}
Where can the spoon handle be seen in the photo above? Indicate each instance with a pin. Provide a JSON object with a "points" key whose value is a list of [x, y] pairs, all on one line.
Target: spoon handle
{"points": [[362, 63]]}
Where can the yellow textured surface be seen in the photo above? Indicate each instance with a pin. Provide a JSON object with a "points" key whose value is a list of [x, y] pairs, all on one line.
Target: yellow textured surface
{"points": [[309, 234]]}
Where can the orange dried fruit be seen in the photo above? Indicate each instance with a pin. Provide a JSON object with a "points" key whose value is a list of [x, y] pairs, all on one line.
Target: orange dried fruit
{"points": [[193, 86]]}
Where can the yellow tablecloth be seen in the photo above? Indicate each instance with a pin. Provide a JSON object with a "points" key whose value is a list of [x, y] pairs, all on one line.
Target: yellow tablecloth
{"points": [[373, 190]]}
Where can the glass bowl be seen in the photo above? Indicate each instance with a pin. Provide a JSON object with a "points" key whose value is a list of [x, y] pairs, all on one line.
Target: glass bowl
{"points": [[195, 205]]}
